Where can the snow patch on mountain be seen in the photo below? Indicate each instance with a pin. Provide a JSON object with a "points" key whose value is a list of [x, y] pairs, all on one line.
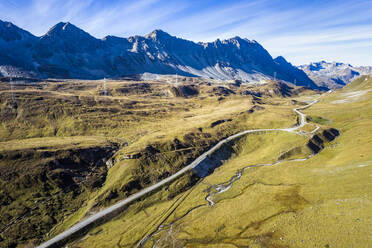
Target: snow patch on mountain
{"points": [[67, 51], [334, 75]]}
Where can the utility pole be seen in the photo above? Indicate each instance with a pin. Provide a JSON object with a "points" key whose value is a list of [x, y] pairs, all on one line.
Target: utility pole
{"points": [[12, 88], [274, 75], [13, 102], [176, 78], [104, 87]]}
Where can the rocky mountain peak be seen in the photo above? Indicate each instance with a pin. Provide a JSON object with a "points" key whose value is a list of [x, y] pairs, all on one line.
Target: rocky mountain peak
{"points": [[67, 51], [65, 36], [6, 24], [66, 29], [281, 60], [10, 32], [158, 34], [334, 74]]}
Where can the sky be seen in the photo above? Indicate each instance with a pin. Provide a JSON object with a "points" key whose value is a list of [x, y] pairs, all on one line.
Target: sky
{"points": [[302, 31]]}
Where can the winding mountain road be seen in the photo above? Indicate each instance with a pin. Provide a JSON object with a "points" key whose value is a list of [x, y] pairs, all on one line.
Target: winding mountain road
{"points": [[54, 242]]}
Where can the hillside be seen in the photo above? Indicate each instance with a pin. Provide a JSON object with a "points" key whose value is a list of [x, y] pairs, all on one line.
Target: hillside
{"points": [[66, 51], [313, 198], [75, 147]]}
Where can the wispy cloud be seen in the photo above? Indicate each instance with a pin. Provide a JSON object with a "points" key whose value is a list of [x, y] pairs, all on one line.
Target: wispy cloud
{"points": [[300, 30], [131, 18]]}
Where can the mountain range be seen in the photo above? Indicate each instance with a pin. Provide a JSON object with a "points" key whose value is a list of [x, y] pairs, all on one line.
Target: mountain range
{"points": [[335, 74], [67, 51]]}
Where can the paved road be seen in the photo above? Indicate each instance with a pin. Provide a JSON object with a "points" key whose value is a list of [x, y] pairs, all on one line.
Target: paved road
{"points": [[81, 225]]}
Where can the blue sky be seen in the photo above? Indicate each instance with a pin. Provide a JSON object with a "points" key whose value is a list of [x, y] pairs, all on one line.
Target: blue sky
{"points": [[302, 31]]}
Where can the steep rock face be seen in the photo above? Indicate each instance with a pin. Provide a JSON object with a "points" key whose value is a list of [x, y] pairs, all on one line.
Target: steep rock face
{"points": [[66, 51], [11, 33], [290, 73], [317, 142], [15, 44], [334, 75]]}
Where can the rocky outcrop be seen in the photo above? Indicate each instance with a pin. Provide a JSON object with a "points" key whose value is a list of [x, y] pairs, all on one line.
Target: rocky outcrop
{"points": [[185, 91], [222, 91], [218, 122], [255, 108], [317, 142]]}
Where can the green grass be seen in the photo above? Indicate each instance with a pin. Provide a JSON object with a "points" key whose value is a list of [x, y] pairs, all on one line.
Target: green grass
{"points": [[245, 148], [65, 120], [324, 201], [318, 119], [53, 143]]}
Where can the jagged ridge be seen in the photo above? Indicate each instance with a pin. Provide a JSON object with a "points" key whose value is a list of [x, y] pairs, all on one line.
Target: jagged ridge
{"points": [[335, 74], [66, 51]]}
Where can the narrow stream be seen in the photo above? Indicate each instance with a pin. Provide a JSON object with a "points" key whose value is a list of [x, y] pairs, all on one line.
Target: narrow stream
{"points": [[217, 189], [223, 187], [195, 165]]}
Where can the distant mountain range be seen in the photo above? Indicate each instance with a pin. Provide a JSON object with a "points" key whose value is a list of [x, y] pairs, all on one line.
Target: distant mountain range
{"points": [[66, 51], [334, 75]]}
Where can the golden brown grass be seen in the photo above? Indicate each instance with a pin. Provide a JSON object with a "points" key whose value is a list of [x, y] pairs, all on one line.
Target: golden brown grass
{"points": [[324, 201]]}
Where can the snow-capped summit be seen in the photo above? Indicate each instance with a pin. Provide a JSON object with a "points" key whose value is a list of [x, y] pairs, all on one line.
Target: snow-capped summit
{"points": [[67, 51], [335, 74]]}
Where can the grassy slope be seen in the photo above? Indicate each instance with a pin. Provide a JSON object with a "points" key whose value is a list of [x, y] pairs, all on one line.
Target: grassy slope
{"points": [[111, 233], [325, 201], [162, 130], [122, 172], [54, 117], [53, 143]]}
